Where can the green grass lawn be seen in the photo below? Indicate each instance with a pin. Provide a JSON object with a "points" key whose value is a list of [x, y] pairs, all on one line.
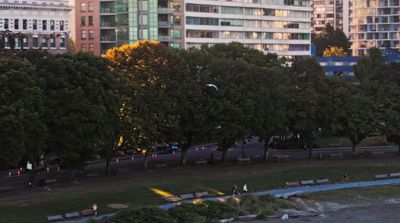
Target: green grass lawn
{"points": [[133, 188]]}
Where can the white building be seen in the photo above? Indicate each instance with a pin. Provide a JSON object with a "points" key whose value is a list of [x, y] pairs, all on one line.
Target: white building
{"points": [[374, 23], [272, 26], [35, 24], [334, 12]]}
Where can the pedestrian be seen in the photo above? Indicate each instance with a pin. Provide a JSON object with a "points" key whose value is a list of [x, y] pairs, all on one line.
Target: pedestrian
{"points": [[94, 209], [245, 188], [234, 189], [345, 177]]}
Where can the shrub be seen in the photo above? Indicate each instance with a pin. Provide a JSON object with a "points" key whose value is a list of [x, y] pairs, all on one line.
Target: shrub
{"points": [[204, 212], [147, 214]]}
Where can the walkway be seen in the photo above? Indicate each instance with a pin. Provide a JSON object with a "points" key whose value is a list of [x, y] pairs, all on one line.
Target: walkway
{"points": [[279, 193]]}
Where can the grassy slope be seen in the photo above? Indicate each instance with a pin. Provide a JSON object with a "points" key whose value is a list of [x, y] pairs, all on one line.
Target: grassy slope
{"points": [[133, 188]]}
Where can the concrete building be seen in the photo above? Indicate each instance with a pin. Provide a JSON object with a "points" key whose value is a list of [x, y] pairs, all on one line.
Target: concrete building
{"points": [[334, 12], [35, 24], [374, 23], [271, 26]]}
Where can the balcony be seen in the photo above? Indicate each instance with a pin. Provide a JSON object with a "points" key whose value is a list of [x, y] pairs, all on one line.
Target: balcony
{"points": [[107, 11], [165, 24], [107, 39], [164, 38], [166, 10]]}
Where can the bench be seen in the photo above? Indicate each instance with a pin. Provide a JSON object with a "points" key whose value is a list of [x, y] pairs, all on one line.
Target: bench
{"points": [[70, 215], [54, 218], [307, 182], [336, 155], [201, 194], [244, 160], [381, 176], [201, 162], [161, 165], [394, 175], [5, 189], [186, 196], [292, 184], [282, 157], [322, 181]]}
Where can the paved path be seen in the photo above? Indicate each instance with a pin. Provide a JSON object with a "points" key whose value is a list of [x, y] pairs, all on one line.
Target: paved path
{"points": [[279, 193]]}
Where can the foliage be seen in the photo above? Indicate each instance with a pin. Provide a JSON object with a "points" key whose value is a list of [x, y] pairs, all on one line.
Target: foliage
{"points": [[334, 52], [330, 37], [147, 214], [208, 211], [370, 66]]}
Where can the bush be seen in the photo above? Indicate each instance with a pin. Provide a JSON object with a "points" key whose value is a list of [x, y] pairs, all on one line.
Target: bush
{"points": [[148, 214], [204, 212]]}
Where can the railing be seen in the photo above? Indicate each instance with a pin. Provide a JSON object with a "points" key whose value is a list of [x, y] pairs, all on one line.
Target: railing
{"points": [[166, 10]]}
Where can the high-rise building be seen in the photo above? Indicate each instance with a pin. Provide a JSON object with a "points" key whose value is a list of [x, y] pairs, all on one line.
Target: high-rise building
{"points": [[35, 24], [104, 24], [271, 26], [334, 12], [374, 23]]}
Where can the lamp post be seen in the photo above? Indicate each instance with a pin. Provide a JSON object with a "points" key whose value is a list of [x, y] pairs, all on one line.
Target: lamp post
{"points": [[214, 89]]}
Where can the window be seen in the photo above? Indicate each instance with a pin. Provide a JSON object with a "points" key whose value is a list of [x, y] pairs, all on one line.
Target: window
{"points": [[83, 47], [24, 24], [83, 21], [62, 42], [34, 24], [16, 23], [5, 23], [44, 42], [91, 34], [176, 34], [83, 34], [91, 47], [44, 24], [90, 20], [61, 25], [52, 26], [25, 42], [90, 6], [83, 7], [53, 42], [35, 42]]}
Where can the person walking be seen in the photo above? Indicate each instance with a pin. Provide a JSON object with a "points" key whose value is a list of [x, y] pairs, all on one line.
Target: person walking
{"points": [[345, 177], [94, 209], [245, 188], [234, 189]]}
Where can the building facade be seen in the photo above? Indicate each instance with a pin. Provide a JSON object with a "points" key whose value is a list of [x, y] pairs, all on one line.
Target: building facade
{"points": [[35, 24], [271, 26], [87, 26], [334, 12], [374, 23]]}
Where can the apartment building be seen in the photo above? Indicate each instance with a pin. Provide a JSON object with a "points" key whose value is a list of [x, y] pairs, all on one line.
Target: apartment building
{"points": [[35, 24], [374, 23], [334, 12], [271, 26]]}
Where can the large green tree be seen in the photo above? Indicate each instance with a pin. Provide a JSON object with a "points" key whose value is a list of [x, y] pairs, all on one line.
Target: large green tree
{"points": [[329, 37]]}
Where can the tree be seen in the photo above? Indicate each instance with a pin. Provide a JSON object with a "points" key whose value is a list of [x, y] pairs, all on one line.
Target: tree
{"points": [[22, 132], [146, 70], [81, 107], [330, 37], [334, 52], [370, 66], [353, 114], [308, 103]]}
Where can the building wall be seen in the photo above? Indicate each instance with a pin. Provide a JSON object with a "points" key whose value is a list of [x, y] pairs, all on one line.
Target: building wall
{"points": [[271, 26], [87, 33], [334, 12], [374, 23], [36, 21]]}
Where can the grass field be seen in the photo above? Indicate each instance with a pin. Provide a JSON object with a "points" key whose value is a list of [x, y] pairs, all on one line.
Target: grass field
{"points": [[134, 188]]}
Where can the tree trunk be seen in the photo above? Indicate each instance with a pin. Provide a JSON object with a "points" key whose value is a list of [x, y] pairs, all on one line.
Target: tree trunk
{"points": [[354, 150], [266, 152], [146, 160], [224, 154], [398, 149], [310, 152], [108, 165], [183, 155]]}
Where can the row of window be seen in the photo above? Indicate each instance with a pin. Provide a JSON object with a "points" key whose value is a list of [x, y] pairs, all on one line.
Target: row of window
{"points": [[267, 47], [247, 35], [34, 24], [84, 34], [87, 7], [303, 3], [246, 11], [85, 49], [45, 43], [90, 20], [246, 23]]}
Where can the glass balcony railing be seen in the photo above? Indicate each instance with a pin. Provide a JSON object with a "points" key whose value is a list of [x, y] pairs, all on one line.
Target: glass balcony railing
{"points": [[107, 10], [164, 38], [108, 38], [162, 10], [165, 24]]}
